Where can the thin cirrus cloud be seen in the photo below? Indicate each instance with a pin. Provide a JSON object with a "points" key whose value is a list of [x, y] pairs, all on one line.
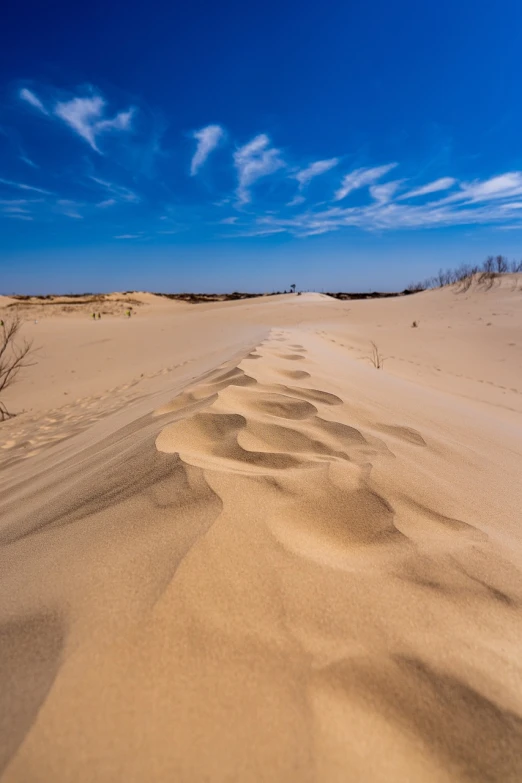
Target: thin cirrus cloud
{"points": [[502, 186], [304, 176], [444, 183], [382, 205], [491, 201], [384, 193], [296, 201], [23, 186], [85, 115], [68, 208], [15, 209], [29, 97], [119, 192], [360, 178], [18, 216], [29, 162], [86, 118], [253, 161], [208, 139]]}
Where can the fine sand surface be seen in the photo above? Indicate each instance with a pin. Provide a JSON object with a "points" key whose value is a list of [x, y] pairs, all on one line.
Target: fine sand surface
{"points": [[233, 550]]}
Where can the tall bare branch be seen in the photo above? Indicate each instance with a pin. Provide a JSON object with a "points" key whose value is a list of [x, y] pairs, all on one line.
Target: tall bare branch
{"points": [[14, 356]]}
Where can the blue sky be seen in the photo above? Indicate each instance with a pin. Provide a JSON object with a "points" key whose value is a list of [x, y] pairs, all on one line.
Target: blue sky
{"points": [[181, 146]]}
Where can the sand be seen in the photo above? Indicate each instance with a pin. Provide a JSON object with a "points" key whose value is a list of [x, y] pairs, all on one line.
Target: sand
{"points": [[233, 550]]}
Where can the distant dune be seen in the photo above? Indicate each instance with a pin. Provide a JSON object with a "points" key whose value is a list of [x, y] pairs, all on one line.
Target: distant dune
{"points": [[234, 550]]}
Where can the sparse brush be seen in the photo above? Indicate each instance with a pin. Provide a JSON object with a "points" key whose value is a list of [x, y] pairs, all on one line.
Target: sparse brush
{"points": [[486, 279], [414, 324], [13, 357], [464, 276], [376, 359]]}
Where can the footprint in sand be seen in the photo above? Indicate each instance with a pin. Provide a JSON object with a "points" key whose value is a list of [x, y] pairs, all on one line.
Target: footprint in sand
{"points": [[279, 405], [312, 395], [296, 375], [291, 357], [402, 433]]}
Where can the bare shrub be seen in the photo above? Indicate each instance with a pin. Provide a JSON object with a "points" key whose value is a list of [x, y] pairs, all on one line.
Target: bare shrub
{"points": [[486, 279], [415, 325], [375, 357], [441, 278], [489, 265], [464, 276], [14, 356], [501, 264]]}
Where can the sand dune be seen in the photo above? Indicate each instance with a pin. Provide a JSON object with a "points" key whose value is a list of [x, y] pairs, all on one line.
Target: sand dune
{"points": [[272, 562]]}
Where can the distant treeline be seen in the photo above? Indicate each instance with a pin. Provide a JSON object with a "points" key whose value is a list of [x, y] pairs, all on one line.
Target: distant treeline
{"points": [[464, 275], [200, 298], [344, 295]]}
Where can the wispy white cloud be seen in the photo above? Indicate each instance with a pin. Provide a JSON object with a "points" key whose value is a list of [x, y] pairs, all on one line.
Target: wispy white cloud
{"points": [[496, 201], [208, 139], [68, 208], [384, 193], [314, 170], [502, 186], [360, 178], [128, 236], [17, 216], [14, 208], [30, 97], [23, 186], [444, 183], [296, 201], [255, 160], [86, 118], [258, 232], [29, 162], [119, 191], [109, 202], [229, 221]]}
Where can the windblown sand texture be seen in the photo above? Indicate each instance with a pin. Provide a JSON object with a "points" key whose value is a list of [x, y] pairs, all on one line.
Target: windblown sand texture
{"points": [[251, 556]]}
